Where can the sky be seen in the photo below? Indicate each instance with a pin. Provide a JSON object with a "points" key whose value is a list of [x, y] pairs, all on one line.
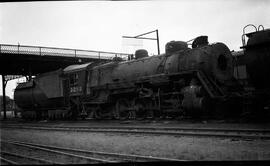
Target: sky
{"points": [[100, 25]]}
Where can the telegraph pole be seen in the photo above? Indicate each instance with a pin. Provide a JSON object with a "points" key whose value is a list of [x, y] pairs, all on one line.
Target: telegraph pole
{"points": [[147, 38], [158, 42], [4, 95]]}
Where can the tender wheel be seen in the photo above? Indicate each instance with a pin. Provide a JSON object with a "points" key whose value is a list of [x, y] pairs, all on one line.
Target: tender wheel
{"points": [[122, 109]]}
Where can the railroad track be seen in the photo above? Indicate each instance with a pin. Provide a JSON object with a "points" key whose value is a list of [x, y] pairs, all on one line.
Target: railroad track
{"points": [[47, 154], [172, 131], [9, 157]]}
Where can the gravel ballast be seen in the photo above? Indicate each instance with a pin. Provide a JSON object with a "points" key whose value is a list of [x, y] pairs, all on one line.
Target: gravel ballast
{"points": [[184, 148]]}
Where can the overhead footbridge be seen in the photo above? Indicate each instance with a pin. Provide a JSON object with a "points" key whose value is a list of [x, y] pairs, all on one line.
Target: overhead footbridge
{"points": [[31, 60]]}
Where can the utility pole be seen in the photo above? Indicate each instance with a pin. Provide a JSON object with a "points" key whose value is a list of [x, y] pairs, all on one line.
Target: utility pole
{"points": [[158, 42], [147, 38], [4, 95]]}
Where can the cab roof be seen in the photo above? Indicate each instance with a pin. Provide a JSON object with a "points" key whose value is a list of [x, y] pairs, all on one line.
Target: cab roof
{"points": [[75, 68]]}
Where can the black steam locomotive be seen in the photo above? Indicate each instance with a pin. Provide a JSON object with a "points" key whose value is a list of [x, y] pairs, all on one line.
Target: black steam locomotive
{"points": [[184, 82], [252, 70]]}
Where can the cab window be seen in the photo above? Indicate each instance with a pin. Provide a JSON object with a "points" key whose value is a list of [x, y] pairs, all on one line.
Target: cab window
{"points": [[74, 79]]}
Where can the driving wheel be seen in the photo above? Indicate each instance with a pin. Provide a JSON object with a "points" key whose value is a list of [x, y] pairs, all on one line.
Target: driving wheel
{"points": [[122, 109]]}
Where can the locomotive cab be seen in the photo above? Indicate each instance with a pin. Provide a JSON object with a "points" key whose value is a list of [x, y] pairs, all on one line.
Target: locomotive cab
{"points": [[75, 87], [75, 77]]}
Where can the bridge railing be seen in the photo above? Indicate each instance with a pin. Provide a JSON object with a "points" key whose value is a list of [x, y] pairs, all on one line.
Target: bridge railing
{"points": [[53, 51]]}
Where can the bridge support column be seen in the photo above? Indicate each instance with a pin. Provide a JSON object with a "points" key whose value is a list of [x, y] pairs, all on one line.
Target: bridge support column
{"points": [[4, 95]]}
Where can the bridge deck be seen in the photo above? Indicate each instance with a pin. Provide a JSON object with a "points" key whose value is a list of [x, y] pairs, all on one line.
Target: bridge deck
{"points": [[31, 60], [63, 52]]}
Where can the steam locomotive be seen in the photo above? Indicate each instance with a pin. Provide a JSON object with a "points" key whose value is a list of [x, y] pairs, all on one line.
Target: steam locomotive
{"points": [[252, 70], [184, 82]]}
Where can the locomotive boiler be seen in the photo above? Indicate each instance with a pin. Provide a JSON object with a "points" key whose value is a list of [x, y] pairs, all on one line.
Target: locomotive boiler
{"points": [[183, 82]]}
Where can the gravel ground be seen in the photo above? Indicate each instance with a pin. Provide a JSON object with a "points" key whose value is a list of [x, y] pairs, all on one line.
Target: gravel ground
{"points": [[184, 148]]}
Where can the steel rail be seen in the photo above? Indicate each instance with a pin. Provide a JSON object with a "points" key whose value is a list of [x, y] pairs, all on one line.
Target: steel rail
{"points": [[30, 158], [148, 128], [59, 152], [8, 161], [167, 128], [195, 132], [126, 157]]}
